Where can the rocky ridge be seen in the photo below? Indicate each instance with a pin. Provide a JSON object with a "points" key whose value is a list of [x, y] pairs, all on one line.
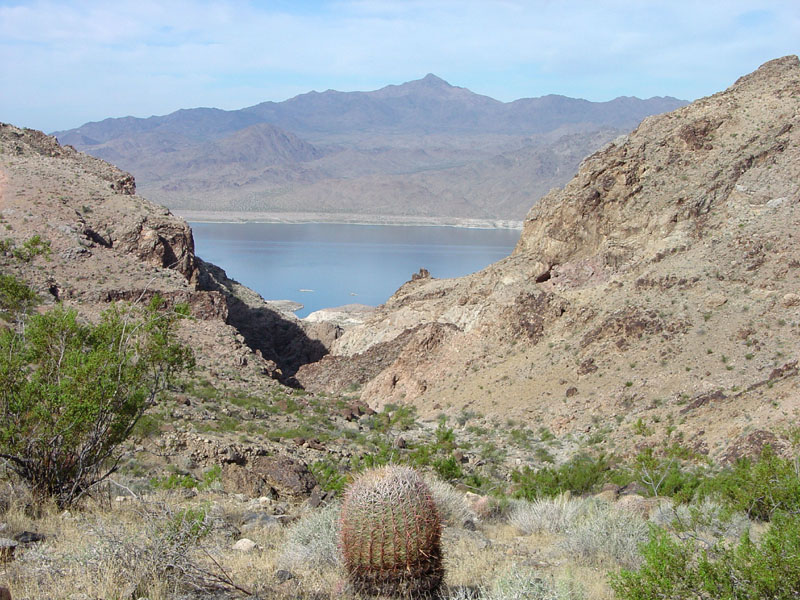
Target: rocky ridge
{"points": [[423, 149], [106, 244], [659, 287]]}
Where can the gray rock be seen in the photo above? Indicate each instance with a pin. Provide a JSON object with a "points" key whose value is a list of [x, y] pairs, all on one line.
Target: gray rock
{"points": [[283, 575], [262, 520]]}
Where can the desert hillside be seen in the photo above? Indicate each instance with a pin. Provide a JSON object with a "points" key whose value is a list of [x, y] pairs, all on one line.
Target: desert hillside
{"points": [[589, 392], [658, 291]]}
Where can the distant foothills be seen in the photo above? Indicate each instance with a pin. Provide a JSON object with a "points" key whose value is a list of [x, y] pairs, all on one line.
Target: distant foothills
{"points": [[424, 152]]}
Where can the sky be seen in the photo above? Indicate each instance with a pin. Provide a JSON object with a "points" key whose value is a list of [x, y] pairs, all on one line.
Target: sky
{"points": [[63, 63]]}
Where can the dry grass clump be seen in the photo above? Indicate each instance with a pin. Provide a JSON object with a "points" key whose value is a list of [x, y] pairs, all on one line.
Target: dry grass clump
{"points": [[450, 502], [546, 515], [312, 541], [521, 583], [706, 520], [156, 549], [606, 532]]}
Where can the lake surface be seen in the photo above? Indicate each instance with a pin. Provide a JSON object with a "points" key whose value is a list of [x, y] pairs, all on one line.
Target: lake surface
{"points": [[322, 265]]}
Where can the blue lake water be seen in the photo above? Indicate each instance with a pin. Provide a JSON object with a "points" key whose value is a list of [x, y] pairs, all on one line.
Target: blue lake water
{"points": [[322, 265]]}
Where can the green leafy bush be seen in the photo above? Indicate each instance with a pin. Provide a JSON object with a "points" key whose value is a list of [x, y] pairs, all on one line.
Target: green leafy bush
{"points": [[16, 298], [579, 475], [680, 570], [35, 246], [71, 392], [758, 488], [192, 521], [328, 476], [448, 468], [173, 481], [666, 473], [393, 416]]}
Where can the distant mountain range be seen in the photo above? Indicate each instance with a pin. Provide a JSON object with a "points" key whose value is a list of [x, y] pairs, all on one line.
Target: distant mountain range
{"points": [[421, 149]]}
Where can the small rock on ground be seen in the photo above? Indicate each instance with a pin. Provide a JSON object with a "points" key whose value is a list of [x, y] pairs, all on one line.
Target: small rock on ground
{"points": [[244, 545]]}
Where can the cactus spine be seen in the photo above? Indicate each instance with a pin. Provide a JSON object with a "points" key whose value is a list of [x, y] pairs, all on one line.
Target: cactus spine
{"points": [[390, 534]]}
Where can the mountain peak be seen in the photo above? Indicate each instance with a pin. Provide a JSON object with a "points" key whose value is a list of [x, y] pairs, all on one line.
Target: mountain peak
{"points": [[774, 72], [432, 80]]}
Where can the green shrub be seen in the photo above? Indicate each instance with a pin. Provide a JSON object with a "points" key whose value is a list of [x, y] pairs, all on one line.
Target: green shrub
{"points": [[665, 573], [211, 477], [666, 474], [579, 475], [34, 246], [680, 570], [71, 393], [758, 488], [193, 523], [393, 416], [448, 468], [328, 476], [16, 298], [173, 481]]}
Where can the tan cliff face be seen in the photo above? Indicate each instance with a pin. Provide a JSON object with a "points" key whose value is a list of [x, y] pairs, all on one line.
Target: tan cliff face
{"points": [[660, 284]]}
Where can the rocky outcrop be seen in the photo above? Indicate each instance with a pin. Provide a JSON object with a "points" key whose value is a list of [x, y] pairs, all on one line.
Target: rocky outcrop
{"points": [[160, 240], [279, 476], [112, 216], [280, 338], [30, 141], [104, 244], [650, 191]]}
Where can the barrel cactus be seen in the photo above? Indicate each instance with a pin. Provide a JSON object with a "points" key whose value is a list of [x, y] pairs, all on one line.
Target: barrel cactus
{"points": [[390, 534]]}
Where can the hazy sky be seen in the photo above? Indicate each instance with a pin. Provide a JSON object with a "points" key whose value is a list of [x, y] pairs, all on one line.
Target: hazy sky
{"points": [[65, 63]]}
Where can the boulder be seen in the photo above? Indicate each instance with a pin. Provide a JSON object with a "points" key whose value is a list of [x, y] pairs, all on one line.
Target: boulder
{"points": [[791, 300], [275, 476]]}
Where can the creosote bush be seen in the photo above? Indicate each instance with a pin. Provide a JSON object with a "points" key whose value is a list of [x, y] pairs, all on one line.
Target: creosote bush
{"points": [[579, 475], [71, 392], [685, 570], [757, 487]]}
